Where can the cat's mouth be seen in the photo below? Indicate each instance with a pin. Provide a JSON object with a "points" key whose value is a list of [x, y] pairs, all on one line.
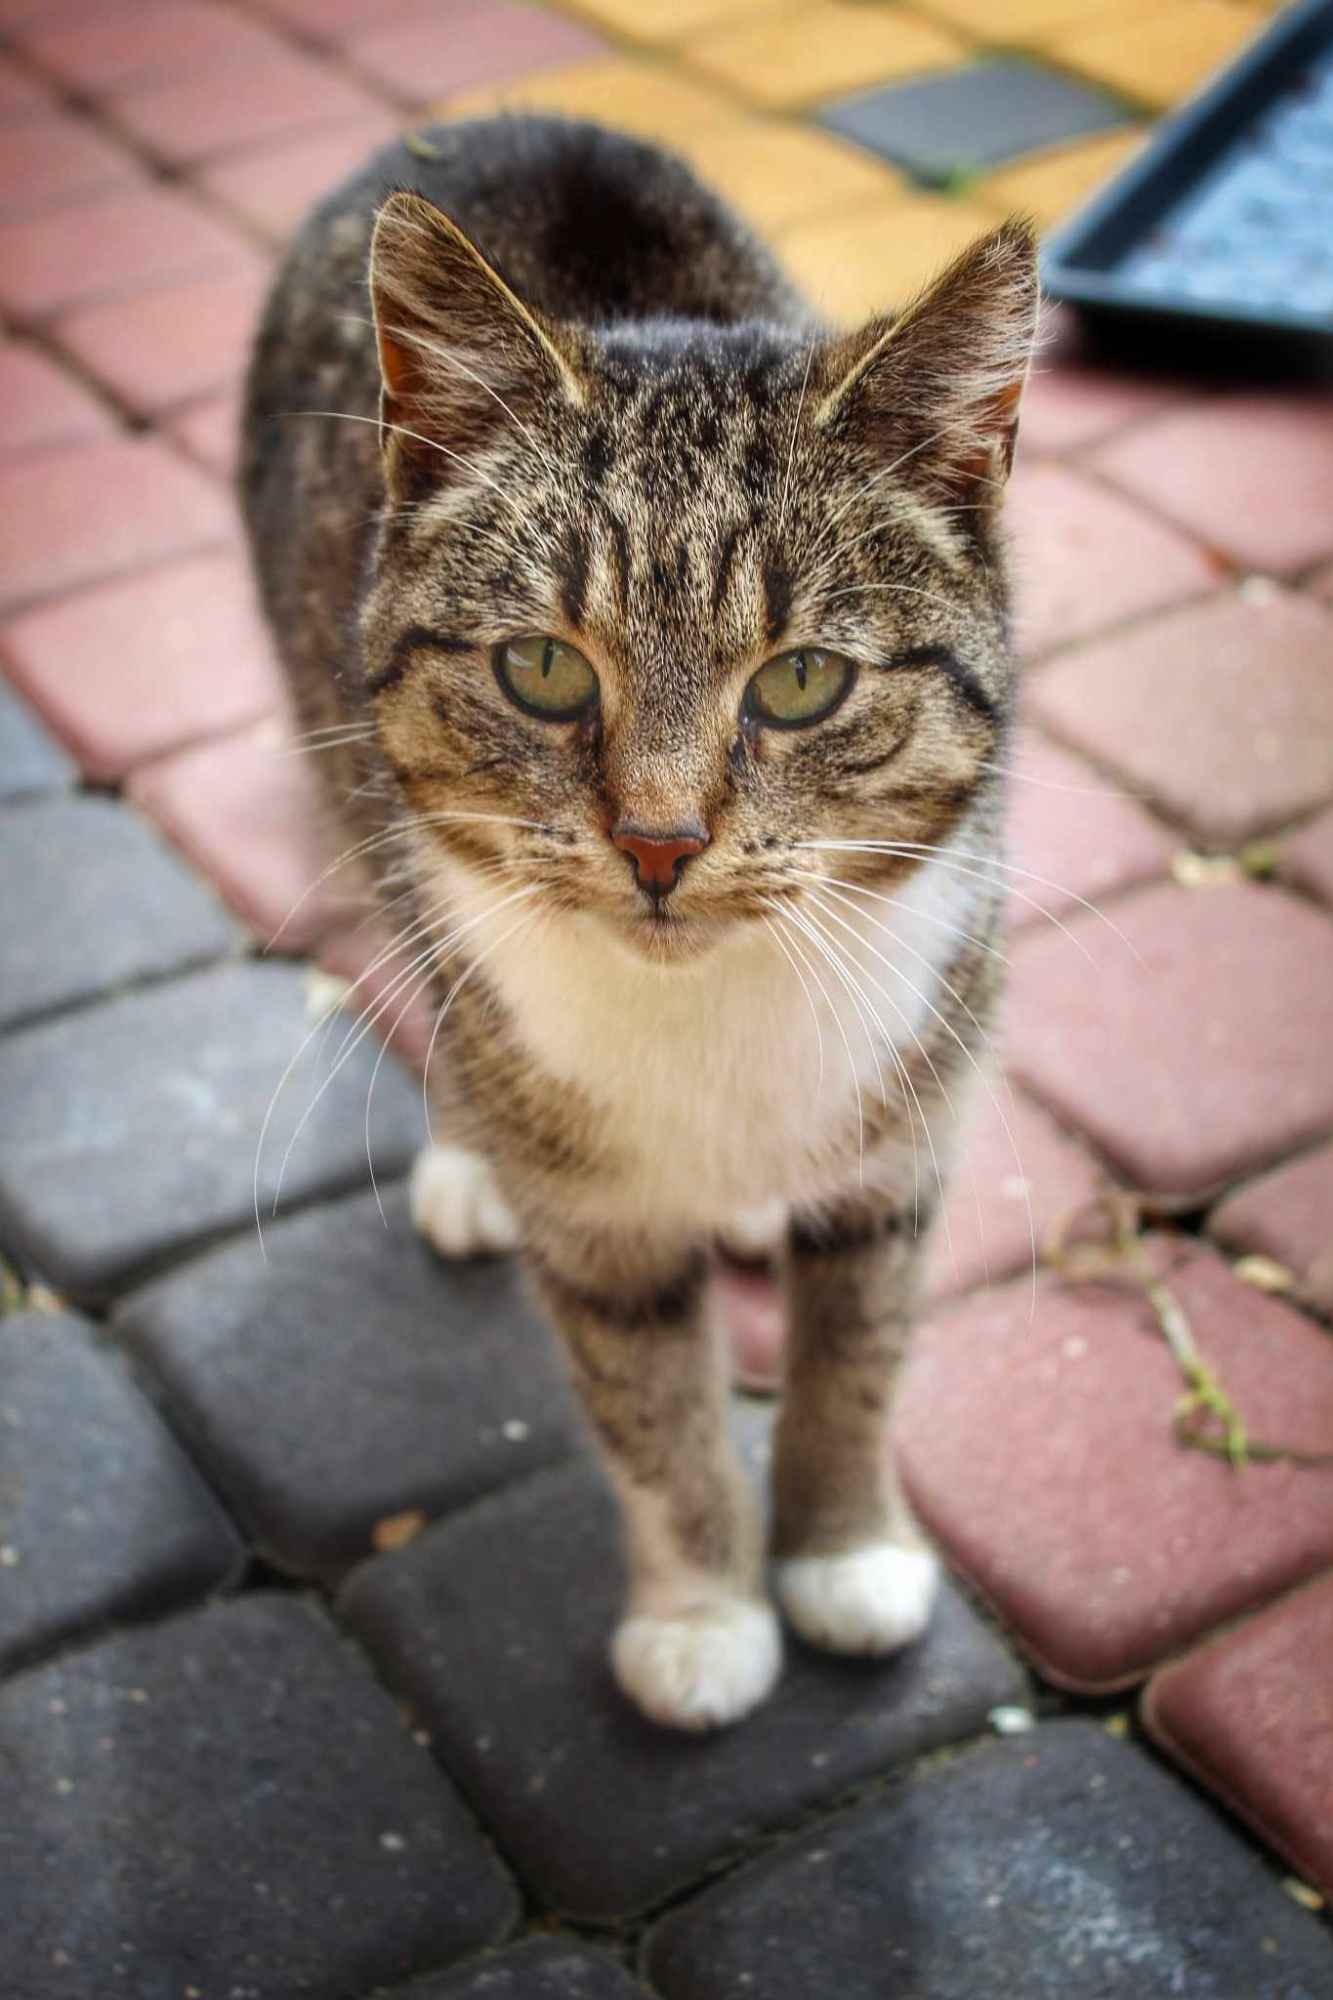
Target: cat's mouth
{"points": [[667, 937]]}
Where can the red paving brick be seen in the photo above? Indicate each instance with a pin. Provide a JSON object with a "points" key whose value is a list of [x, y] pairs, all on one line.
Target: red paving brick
{"points": [[41, 405], [121, 244], [147, 44], [1071, 826], [1249, 475], [1286, 1215], [1195, 1059], [197, 120], [133, 669], [48, 160], [1250, 1714], [1039, 1451], [16, 15], [1084, 558], [210, 432], [1068, 407], [161, 349], [332, 21], [753, 1318], [243, 810], [21, 96], [1307, 857], [72, 517], [473, 42], [994, 1184], [273, 189], [1222, 712]]}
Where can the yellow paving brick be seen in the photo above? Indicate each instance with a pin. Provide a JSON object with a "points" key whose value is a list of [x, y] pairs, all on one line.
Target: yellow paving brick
{"points": [[670, 20], [819, 51], [781, 174], [863, 263], [1162, 58], [1048, 186], [636, 96], [1005, 21]]}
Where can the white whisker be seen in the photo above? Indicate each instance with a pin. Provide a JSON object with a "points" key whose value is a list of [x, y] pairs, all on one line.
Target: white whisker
{"points": [[984, 1080], [324, 1023], [807, 930], [913, 849], [330, 729], [386, 1041], [911, 1104], [773, 931], [911, 1090], [490, 951], [801, 919], [357, 1034], [921, 959], [921, 916], [783, 913], [329, 743], [1056, 785], [400, 430], [400, 830], [969, 874]]}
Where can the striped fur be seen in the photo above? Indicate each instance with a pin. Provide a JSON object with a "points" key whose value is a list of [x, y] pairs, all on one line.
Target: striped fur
{"points": [[576, 397]]}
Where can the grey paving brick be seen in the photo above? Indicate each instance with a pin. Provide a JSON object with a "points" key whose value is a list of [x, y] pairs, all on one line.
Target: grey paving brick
{"points": [[92, 900], [544, 1969], [495, 1626], [29, 760], [352, 1376], [228, 1803], [947, 125], [130, 1128], [1056, 1866], [102, 1516]]}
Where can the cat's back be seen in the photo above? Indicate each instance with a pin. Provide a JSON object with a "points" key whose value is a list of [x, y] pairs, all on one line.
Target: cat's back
{"points": [[589, 224]]}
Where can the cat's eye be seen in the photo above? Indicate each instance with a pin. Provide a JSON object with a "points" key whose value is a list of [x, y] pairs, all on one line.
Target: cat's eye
{"points": [[796, 689], [545, 677]]}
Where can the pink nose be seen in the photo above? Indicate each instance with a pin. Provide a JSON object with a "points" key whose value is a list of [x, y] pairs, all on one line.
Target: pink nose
{"points": [[659, 857]]}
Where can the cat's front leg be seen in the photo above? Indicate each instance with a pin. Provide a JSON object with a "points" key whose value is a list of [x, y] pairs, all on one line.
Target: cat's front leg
{"points": [[698, 1645], [853, 1573]]}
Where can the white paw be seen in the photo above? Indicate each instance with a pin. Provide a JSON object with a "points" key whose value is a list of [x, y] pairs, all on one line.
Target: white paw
{"points": [[703, 1668], [871, 1601], [456, 1205]]}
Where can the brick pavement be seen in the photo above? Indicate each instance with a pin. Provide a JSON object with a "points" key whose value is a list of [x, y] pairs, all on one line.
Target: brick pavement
{"points": [[304, 1572]]}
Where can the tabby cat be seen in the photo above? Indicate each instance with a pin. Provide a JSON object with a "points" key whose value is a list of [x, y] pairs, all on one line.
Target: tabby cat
{"points": [[658, 639]]}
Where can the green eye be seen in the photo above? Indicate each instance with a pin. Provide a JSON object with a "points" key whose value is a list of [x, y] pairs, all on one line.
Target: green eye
{"points": [[546, 677], [799, 688]]}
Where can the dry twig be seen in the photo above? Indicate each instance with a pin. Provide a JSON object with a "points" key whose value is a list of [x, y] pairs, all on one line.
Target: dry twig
{"points": [[1206, 1419]]}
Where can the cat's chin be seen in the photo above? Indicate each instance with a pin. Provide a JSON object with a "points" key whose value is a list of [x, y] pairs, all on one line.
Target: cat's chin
{"points": [[669, 941]]}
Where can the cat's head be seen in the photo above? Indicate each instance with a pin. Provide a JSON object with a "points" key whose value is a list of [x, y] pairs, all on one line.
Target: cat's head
{"points": [[664, 612]]}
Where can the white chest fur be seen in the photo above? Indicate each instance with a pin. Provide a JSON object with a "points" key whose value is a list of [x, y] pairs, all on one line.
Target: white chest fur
{"points": [[731, 1082]]}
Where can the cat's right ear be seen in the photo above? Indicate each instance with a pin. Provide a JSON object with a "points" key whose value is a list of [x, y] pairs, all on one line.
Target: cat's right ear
{"points": [[460, 354], [935, 389]]}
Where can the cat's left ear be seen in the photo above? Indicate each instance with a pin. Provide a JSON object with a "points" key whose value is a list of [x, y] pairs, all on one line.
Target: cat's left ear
{"points": [[937, 388], [460, 353]]}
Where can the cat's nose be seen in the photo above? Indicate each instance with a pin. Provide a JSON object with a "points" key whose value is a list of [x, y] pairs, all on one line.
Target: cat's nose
{"points": [[658, 858]]}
